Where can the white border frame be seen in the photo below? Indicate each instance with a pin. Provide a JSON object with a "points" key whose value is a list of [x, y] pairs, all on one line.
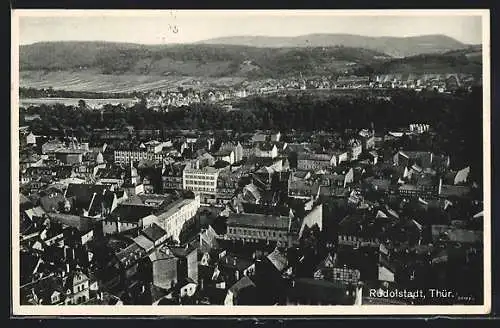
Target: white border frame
{"points": [[216, 310]]}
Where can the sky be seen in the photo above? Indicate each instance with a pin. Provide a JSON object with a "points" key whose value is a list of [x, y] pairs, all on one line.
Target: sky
{"points": [[183, 26]]}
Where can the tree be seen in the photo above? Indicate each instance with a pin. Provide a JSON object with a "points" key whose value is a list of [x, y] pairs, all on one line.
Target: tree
{"points": [[82, 104]]}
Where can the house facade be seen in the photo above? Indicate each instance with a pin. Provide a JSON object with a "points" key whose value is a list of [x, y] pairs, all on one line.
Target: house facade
{"points": [[307, 161], [200, 181], [252, 227], [177, 215]]}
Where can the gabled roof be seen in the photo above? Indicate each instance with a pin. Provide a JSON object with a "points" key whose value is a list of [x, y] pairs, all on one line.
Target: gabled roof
{"points": [[154, 232], [74, 278], [43, 288], [75, 221], [183, 251], [130, 213], [241, 284], [254, 191], [258, 220], [299, 174], [265, 146], [35, 212], [144, 243], [223, 152], [25, 201], [314, 157], [278, 260], [130, 255], [326, 191]]}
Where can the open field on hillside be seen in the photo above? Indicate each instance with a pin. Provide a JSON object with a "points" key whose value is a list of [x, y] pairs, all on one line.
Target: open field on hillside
{"points": [[95, 82], [73, 101]]}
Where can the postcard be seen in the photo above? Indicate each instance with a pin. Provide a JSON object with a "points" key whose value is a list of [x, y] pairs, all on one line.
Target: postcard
{"points": [[250, 162]]}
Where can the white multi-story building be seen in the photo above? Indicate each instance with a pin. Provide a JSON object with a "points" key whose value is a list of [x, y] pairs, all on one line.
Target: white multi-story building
{"points": [[200, 181], [177, 215], [125, 156]]}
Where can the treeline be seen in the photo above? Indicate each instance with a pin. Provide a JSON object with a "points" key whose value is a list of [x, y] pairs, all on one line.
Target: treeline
{"points": [[302, 112], [51, 93], [457, 119]]}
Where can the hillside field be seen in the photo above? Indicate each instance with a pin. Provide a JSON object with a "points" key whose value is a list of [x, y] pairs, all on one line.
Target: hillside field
{"points": [[95, 82]]}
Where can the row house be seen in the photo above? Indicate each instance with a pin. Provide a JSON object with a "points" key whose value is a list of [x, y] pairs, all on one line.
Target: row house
{"points": [[252, 227], [172, 176], [308, 161], [72, 288]]}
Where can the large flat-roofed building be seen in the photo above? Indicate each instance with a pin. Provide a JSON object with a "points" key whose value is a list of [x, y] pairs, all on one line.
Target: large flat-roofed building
{"points": [[200, 181], [253, 227], [177, 215]]}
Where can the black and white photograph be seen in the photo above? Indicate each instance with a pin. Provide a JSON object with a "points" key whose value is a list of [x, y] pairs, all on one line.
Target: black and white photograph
{"points": [[246, 162]]}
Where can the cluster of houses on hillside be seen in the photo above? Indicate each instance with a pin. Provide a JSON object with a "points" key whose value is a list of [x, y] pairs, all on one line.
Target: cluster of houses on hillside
{"points": [[257, 219], [163, 100], [433, 81]]}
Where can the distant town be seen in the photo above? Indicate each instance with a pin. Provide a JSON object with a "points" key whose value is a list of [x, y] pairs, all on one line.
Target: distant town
{"points": [[196, 93]]}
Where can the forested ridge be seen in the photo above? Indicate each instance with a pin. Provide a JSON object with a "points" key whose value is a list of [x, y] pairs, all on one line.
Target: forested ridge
{"points": [[233, 60]]}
